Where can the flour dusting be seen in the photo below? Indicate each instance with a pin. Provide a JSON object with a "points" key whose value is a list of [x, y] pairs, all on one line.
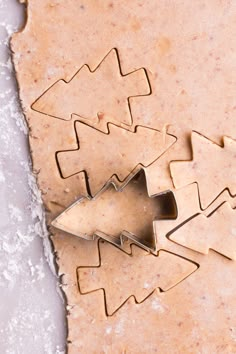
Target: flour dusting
{"points": [[31, 310]]}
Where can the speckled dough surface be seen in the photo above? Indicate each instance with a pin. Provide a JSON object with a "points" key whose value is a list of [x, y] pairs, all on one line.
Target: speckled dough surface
{"points": [[137, 97]]}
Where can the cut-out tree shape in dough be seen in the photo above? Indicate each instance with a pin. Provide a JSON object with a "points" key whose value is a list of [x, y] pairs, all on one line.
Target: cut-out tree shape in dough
{"points": [[137, 274], [117, 153], [116, 216], [187, 202], [188, 207], [213, 167], [83, 94], [217, 232]]}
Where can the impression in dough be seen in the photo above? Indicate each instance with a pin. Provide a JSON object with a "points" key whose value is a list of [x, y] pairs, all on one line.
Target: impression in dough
{"points": [[112, 88]]}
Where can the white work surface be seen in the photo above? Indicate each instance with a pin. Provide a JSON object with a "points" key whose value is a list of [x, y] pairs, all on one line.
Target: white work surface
{"points": [[32, 314]]}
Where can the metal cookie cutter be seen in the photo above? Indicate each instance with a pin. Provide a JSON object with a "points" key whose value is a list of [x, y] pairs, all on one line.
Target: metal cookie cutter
{"points": [[120, 216]]}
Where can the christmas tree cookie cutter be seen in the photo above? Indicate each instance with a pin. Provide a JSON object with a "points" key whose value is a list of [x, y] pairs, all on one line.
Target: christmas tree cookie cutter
{"points": [[74, 220]]}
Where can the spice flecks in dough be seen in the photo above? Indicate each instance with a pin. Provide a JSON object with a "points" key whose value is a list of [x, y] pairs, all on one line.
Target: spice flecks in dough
{"points": [[192, 88], [98, 96], [137, 274], [213, 167], [117, 153]]}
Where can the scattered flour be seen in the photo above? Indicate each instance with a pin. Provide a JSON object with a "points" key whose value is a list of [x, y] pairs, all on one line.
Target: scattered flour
{"points": [[31, 309]]}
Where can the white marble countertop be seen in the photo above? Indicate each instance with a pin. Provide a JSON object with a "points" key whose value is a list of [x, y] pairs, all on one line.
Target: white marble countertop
{"points": [[32, 315]]}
